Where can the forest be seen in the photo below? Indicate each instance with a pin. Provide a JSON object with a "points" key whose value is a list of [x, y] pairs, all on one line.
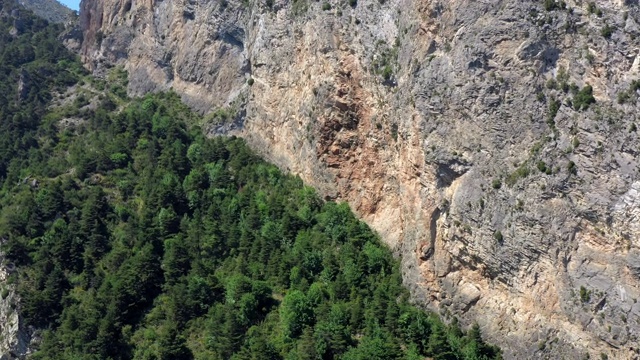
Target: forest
{"points": [[137, 237]]}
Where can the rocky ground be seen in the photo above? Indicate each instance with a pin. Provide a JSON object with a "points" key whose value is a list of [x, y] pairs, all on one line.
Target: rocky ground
{"points": [[52, 10]]}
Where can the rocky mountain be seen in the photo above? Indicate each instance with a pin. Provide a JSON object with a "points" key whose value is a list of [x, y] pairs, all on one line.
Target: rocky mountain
{"points": [[51, 10], [493, 144]]}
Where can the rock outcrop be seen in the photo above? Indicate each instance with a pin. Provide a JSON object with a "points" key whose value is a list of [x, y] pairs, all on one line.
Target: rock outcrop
{"points": [[15, 339], [464, 132], [51, 10]]}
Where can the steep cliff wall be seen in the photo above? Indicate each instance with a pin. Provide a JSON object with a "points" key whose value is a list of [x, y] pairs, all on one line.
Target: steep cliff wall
{"points": [[460, 130]]}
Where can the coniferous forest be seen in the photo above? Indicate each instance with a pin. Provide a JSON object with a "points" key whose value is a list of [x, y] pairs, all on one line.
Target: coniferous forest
{"points": [[136, 237]]}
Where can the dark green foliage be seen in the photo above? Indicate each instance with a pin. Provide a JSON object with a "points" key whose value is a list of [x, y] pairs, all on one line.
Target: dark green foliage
{"points": [[550, 5], [542, 166], [585, 295], [583, 98], [606, 31], [394, 131], [521, 172], [554, 106], [384, 62], [623, 97], [631, 94], [386, 72], [326, 6], [296, 312], [298, 7], [33, 65], [142, 239]]}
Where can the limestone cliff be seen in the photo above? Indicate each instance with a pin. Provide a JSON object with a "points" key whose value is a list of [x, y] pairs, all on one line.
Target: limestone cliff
{"points": [[464, 132], [15, 337]]}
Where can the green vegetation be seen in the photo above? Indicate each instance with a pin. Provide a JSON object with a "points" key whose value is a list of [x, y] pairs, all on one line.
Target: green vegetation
{"points": [[136, 237], [575, 142], [298, 7], [607, 31], [33, 66], [521, 172], [550, 5], [585, 295], [496, 184], [383, 63], [630, 94], [554, 107], [583, 98], [394, 131], [188, 247], [498, 236], [623, 97], [562, 79], [544, 168], [593, 9]]}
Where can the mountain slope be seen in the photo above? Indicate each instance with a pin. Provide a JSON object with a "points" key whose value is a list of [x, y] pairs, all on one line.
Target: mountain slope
{"points": [[492, 144], [33, 66], [51, 10]]}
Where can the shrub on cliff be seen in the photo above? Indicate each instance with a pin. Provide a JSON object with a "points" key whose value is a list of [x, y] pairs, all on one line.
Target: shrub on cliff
{"points": [[583, 98]]}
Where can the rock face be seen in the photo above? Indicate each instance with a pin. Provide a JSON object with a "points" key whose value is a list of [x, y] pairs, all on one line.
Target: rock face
{"points": [[51, 10], [464, 132], [203, 59], [15, 339]]}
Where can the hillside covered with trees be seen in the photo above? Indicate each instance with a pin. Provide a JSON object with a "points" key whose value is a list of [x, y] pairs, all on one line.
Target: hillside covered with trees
{"points": [[135, 237]]}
